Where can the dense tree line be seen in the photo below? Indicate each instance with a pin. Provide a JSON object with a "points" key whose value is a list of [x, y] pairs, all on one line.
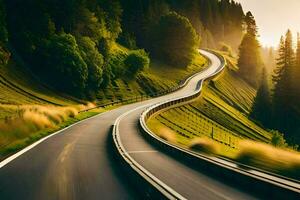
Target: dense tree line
{"points": [[286, 106], [281, 109], [68, 43], [214, 20]]}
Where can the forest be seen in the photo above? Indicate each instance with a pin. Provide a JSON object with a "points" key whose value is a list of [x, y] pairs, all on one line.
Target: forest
{"points": [[276, 105], [68, 43]]}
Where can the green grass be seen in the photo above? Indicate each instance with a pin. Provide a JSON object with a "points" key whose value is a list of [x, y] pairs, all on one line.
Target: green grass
{"points": [[157, 78], [221, 114]]}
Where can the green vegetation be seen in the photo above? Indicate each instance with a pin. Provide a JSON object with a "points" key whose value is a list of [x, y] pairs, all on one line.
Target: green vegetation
{"points": [[64, 53], [75, 41], [27, 110], [175, 40], [261, 108], [214, 20], [281, 111], [37, 122], [286, 113], [137, 61], [218, 124]]}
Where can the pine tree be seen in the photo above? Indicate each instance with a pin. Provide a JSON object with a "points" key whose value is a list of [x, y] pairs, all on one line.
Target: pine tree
{"points": [[278, 71], [261, 110], [250, 61], [283, 95]]}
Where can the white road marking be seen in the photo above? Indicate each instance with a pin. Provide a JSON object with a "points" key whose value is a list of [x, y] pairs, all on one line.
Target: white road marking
{"points": [[21, 152], [133, 152]]}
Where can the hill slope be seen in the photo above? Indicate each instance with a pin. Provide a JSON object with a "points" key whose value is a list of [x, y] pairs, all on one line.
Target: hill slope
{"points": [[30, 110], [221, 113]]}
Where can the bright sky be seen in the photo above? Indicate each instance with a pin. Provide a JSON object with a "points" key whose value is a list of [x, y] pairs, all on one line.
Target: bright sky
{"points": [[273, 18]]}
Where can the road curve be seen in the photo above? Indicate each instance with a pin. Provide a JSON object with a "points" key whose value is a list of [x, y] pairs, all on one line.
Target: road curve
{"points": [[187, 182], [77, 162]]}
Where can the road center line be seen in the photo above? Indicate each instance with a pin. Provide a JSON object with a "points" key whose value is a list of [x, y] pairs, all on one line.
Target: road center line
{"points": [[150, 151]]}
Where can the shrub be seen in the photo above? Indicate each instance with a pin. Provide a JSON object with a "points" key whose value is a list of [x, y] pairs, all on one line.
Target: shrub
{"points": [[137, 61], [278, 139]]}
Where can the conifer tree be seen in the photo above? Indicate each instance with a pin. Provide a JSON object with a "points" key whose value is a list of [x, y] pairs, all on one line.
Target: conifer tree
{"points": [[250, 61], [283, 95], [261, 110]]}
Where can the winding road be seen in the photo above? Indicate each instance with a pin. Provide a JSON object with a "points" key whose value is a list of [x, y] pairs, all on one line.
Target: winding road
{"points": [[77, 162]]}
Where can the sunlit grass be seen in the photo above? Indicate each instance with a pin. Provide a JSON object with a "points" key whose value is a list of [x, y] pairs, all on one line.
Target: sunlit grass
{"points": [[31, 122], [205, 145], [265, 156], [218, 124], [167, 134]]}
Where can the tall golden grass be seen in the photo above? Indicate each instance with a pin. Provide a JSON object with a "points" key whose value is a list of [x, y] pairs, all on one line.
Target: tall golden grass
{"points": [[204, 145], [167, 134], [32, 118], [268, 157]]}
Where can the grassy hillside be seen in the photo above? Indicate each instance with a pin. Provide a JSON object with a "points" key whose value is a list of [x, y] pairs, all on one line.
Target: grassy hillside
{"points": [[30, 110], [158, 77], [221, 113]]}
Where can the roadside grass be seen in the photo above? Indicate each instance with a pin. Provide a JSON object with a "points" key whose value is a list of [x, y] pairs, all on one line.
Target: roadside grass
{"points": [[35, 122], [265, 156], [205, 145], [19, 86]]}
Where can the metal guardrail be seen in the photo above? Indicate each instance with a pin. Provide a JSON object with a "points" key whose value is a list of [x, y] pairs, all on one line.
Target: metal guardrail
{"points": [[140, 98], [266, 183], [151, 186]]}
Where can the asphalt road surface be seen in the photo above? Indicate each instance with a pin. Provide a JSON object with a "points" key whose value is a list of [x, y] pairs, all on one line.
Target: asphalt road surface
{"points": [[78, 163]]}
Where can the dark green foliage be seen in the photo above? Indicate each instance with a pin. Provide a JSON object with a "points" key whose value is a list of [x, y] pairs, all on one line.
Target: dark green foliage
{"points": [[261, 109], [104, 47], [117, 65], [137, 61], [278, 139], [175, 40], [215, 21], [127, 40], [94, 61], [250, 62], [107, 76], [3, 31], [64, 68], [33, 28]]}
